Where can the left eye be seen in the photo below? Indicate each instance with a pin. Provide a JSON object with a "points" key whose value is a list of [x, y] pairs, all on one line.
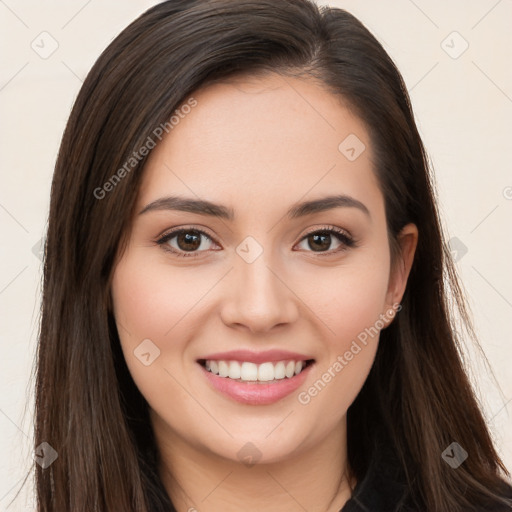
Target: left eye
{"points": [[189, 242], [322, 239]]}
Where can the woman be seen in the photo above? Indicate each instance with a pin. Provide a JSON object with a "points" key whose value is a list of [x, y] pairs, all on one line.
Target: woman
{"points": [[244, 305]]}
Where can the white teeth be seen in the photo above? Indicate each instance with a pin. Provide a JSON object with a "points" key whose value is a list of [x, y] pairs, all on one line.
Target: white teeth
{"points": [[246, 371], [279, 371], [214, 367], [290, 369], [223, 369], [249, 371], [266, 372], [234, 370]]}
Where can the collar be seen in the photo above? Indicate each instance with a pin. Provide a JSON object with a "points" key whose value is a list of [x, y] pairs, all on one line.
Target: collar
{"points": [[381, 489]]}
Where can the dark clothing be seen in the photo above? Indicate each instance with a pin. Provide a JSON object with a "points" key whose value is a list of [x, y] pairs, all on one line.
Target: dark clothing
{"points": [[381, 490]]}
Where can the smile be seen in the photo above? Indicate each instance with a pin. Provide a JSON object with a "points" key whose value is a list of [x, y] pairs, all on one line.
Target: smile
{"points": [[251, 372], [255, 384]]}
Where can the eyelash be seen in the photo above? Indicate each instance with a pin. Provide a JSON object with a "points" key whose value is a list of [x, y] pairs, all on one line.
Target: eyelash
{"points": [[346, 240]]}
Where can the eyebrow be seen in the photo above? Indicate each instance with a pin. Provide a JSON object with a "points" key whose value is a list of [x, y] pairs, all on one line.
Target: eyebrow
{"points": [[203, 207]]}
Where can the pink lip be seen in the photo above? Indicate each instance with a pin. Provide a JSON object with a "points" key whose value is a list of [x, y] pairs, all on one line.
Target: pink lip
{"points": [[271, 356], [256, 393]]}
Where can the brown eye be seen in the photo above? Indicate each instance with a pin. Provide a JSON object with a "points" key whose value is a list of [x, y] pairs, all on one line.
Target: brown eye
{"points": [[183, 241], [320, 241], [187, 241]]}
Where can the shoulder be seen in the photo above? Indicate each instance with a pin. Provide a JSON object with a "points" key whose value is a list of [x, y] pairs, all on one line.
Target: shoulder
{"points": [[383, 489]]}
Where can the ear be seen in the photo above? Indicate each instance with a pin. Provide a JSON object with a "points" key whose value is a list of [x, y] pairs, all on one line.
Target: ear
{"points": [[399, 273]]}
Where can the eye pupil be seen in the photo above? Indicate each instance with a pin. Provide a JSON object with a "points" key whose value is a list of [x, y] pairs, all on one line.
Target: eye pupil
{"points": [[191, 242], [316, 238]]}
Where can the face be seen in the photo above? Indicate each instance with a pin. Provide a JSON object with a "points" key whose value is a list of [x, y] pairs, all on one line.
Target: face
{"points": [[272, 271]]}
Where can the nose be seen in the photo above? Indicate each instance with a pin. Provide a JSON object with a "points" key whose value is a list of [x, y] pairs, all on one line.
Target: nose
{"points": [[258, 297]]}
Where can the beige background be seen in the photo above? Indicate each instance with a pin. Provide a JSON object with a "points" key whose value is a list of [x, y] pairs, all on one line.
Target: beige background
{"points": [[463, 102]]}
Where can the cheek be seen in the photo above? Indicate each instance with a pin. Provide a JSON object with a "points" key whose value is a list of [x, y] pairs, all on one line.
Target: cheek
{"points": [[350, 313], [349, 298], [138, 299], [152, 302]]}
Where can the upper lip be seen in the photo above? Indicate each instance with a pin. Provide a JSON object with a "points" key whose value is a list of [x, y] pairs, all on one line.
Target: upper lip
{"points": [[257, 357]]}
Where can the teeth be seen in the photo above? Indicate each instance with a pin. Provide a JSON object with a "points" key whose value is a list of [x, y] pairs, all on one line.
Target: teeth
{"points": [[266, 372], [223, 369], [290, 369], [234, 370], [246, 371], [279, 371]]}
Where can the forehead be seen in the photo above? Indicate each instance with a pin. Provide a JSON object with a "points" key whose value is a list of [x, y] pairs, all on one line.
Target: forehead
{"points": [[260, 139]]}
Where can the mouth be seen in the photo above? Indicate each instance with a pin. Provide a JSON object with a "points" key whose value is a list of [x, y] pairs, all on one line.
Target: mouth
{"points": [[256, 383], [264, 373]]}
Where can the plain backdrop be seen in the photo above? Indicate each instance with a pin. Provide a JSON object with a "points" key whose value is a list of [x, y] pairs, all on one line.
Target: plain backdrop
{"points": [[455, 58]]}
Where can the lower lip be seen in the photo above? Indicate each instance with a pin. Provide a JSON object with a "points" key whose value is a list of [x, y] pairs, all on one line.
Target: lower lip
{"points": [[256, 394]]}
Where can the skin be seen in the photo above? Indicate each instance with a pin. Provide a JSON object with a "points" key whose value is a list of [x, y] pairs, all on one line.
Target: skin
{"points": [[258, 146]]}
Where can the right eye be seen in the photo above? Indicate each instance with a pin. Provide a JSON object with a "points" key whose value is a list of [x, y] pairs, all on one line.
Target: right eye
{"points": [[185, 242]]}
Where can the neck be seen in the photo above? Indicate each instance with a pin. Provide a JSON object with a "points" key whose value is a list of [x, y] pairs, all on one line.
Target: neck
{"points": [[197, 480]]}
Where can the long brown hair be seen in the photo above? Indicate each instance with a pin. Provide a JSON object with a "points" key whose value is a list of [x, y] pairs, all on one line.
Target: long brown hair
{"points": [[87, 405]]}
